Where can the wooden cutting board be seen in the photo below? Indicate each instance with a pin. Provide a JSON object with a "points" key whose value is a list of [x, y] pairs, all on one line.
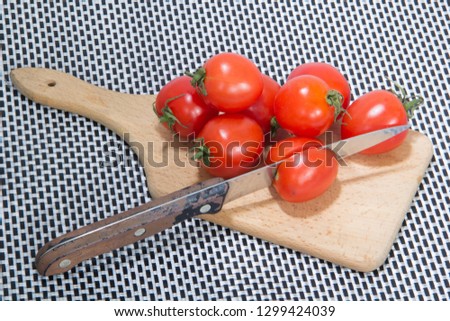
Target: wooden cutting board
{"points": [[353, 224]]}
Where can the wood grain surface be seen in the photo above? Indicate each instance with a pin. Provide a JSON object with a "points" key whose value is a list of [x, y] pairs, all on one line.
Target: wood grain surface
{"points": [[353, 224]]}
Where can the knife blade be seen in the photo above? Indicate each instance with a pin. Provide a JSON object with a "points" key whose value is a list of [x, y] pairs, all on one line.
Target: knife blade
{"points": [[207, 197]]}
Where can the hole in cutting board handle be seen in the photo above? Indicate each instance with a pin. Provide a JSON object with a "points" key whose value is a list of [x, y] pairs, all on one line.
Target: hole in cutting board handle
{"points": [[51, 83]]}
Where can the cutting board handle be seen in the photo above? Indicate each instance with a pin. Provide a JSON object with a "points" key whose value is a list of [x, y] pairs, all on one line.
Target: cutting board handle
{"points": [[66, 92]]}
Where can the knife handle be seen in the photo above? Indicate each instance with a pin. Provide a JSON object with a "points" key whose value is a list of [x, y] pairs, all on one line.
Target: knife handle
{"points": [[64, 252]]}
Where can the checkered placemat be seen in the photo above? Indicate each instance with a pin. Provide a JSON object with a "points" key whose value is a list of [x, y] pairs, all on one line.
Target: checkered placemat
{"points": [[52, 180]]}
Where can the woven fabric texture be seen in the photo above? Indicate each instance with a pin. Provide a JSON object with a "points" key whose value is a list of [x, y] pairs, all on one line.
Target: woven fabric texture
{"points": [[52, 180]]}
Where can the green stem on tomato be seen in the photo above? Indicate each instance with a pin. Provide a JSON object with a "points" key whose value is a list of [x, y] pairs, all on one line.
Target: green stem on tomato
{"points": [[198, 80], [167, 115], [410, 103], [274, 126], [201, 152], [334, 98]]}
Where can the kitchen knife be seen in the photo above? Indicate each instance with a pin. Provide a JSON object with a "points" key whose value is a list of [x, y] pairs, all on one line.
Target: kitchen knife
{"points": [[207, 197]]}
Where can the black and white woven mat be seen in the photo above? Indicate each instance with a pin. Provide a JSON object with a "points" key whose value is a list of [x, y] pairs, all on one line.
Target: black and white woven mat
{"points": [[52, 180]]}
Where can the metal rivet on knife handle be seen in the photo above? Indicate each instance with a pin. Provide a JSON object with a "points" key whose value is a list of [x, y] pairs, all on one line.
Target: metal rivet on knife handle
{"points": [[65, 263], [139, 232], [205, 208]]}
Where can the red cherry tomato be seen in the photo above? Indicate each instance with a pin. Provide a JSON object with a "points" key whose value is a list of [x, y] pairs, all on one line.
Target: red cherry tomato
{"points": [[303, 106], [262, 109], [288, 146], [332, 76], [181, 109], [300, 181], [229, 81], [375, 110], [231, 145]]}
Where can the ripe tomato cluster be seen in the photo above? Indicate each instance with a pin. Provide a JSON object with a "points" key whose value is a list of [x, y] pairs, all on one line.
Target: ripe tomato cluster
{"points": [[227, 106], [232, 110]]}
